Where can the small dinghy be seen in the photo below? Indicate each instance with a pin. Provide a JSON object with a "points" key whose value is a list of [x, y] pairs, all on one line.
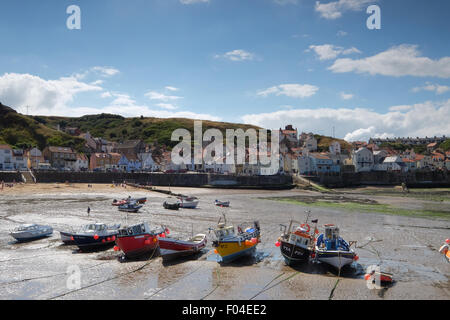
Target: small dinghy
{"points": [[28, 232], [330, 248], [119, 202], [222, 203], [171, 248], [171, 205], [188, 202], [130, 207], [383, 277], [96, 236]]}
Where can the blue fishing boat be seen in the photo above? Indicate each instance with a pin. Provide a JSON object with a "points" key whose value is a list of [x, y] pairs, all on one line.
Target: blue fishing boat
{"points": [[332, 249]]}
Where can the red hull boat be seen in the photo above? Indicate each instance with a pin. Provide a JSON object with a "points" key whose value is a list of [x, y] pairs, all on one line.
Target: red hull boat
{"points": [[172, 248], [137, 240]]}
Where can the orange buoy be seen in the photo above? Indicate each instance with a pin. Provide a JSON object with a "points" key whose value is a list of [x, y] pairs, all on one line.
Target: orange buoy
{"points": [[215, 251]]}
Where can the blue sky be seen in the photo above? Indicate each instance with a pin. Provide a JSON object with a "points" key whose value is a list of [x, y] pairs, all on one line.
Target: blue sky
{"points": [[314, 64]]}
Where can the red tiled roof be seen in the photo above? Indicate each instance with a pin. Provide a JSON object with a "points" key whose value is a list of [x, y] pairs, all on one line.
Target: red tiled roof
{"points": [[5, 147]]}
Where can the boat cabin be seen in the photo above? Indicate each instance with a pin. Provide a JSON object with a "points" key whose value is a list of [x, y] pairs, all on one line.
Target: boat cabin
{"points": [[27, 227], [134, 230], [300, 237], [223, 231], [331, 237], [95, 227]]}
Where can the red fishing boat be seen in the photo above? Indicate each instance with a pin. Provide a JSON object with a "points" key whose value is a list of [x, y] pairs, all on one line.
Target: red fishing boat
{"points": [[138, 240], [171, 248]]}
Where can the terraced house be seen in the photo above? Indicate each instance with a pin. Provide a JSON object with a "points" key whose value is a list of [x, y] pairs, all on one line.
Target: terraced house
{"points": [[60, 157]]}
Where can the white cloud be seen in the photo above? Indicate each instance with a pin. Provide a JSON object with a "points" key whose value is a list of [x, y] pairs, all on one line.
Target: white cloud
{"points": [[290, 90], [105, 71], [438, 89], [346, 96], [193, 1], [106, 94], [403, 60], [171, 88], [341, 33], [21, 90], [334, 9], [154, 95], [237, 55], [423, 119], [329, 51]]}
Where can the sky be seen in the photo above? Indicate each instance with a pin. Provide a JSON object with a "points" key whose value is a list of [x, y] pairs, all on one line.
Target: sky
{"points": [[313, 64]]}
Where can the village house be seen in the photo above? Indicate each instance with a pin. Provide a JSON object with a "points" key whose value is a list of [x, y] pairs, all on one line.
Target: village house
{"points": [[6, 162], [104, 161], [60, 157], [335, 147], [289, 134], [129, 163], [82, 163], [394, 163], [147, 161], [35, 159], [310, 142], [438, 160], [409, 164], [362, 159], [131, 148]]}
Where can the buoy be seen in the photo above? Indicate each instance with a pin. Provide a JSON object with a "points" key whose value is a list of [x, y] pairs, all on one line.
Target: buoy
{"points": [[254, 240], [96, 237], [167, 231], [113, 238], [71, 238], [116, 248], [162, 235], [155, 239], [356, 258], [109, 239], [313, 255], [277, 244], [367, 277], [215, 251]]}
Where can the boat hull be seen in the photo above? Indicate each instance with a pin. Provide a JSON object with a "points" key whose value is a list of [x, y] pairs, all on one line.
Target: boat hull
{"points": [[88, 242], [294, 254], [189, 205], [230, 251], [137, 245], [337, 259], [173, 248], [24, 237], [66, 238]]}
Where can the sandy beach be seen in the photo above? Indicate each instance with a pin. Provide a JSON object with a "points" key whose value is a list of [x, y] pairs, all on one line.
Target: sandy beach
{"points": [[406, 246]]}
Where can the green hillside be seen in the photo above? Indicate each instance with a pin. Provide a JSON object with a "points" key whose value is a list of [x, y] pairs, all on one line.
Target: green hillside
{"points": [[21, 131]]}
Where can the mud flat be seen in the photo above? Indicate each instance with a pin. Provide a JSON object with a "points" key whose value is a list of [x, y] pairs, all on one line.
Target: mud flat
{"points": [[405, 245]]}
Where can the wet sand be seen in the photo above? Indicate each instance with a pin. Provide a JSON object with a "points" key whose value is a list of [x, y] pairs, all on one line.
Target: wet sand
{"points": [[404, 246]]}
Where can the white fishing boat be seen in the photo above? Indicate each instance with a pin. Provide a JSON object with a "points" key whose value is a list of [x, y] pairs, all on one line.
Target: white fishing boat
{"points": [[222, 203], [332, 249], [28, 232], [188, 202]]}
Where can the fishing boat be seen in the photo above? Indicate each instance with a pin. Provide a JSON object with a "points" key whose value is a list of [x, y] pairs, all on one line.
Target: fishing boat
{"points": [[331, 249], [137, 240], [297, 241], [171, 248], [231, 245], [188, 202], [222, 203], [141, 200], [130, 207], [171, 205], [96, 235], [28, 232], [119, 202]]}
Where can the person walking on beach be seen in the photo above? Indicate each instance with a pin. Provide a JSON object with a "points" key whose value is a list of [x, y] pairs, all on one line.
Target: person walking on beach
{"points": [[89, 211]]}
